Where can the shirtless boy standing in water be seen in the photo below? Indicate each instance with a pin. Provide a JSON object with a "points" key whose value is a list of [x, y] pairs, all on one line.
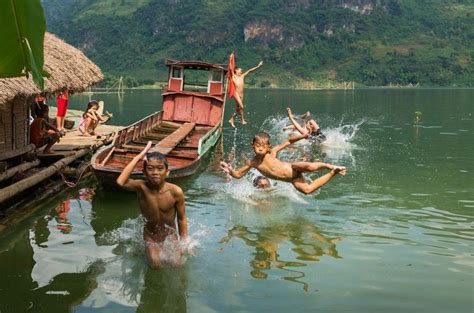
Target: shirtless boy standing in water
{"points": [[267, 163], [160, 203], [238, 80]]}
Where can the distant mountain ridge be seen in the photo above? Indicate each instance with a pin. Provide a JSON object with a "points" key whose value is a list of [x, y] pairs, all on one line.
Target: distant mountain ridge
{"points": [[312, 43]]}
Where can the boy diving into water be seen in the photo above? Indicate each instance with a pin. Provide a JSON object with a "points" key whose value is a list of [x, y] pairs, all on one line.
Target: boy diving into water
{"points": [[160, 204], [267, 163], [308, 127]]}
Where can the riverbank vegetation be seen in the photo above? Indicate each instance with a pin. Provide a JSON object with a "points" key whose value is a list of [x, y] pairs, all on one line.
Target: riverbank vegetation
{"points": [[311, 43]]}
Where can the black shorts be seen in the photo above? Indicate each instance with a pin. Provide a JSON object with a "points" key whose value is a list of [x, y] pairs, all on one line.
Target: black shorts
{"points": [[317, 136]]}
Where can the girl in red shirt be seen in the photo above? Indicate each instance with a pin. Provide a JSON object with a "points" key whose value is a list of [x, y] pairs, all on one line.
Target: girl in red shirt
{"points": [[62, 100]]}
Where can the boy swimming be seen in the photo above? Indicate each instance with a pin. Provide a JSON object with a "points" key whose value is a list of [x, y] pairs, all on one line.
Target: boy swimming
{"points": [[160, 204], [261, 182], [267, 163]]}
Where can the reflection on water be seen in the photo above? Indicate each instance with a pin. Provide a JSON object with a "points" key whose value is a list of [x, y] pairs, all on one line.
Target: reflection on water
{"points": [[404, 211], [63, 242], [303, 238]]}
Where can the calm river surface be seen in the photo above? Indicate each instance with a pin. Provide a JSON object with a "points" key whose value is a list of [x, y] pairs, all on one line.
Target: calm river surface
{"points": [[394, 235]]}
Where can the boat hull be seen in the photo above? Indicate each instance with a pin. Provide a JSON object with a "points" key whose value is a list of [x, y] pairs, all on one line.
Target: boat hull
{"points": [[186, 129], [181, 163]]}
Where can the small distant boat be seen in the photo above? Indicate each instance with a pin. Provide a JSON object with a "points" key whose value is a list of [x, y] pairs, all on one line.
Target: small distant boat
{"points": [[189, 124]]}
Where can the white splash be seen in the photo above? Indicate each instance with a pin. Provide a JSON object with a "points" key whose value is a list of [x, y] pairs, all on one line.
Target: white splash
{"points": [[130, 237], [243, 190]]}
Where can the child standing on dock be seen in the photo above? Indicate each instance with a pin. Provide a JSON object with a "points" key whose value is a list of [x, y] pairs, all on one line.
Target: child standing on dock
{"points": [[160, 204], [62, 101], [267, 163], [43, 133]]}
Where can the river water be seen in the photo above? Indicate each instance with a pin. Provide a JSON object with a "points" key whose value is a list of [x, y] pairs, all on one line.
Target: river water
{"points": [[394, 235]]}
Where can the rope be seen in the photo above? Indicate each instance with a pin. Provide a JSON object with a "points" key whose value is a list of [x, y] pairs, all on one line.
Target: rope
{"points": [[69, 183]]}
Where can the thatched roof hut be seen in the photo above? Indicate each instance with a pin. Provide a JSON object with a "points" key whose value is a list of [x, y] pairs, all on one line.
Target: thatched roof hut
{"points": [[68, 67]]}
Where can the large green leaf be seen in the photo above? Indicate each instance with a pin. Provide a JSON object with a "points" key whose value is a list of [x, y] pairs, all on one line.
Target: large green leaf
{"points": [[22, 27]]}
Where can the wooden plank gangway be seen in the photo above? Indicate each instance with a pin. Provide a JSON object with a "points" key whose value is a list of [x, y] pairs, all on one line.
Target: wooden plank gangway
{"points": [[74, 140], [171, 141]]}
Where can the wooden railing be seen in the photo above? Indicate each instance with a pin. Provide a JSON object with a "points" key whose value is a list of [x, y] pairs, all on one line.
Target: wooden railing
{"points": [[137, 129]]}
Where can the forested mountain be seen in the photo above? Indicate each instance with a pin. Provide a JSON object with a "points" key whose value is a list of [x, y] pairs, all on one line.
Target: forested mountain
{"points": [[314, 42]]}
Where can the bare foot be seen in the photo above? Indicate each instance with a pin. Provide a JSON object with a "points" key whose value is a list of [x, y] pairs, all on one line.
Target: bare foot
{"points": [[244, 122], [231, 121], [86, 134], [341, 170]]}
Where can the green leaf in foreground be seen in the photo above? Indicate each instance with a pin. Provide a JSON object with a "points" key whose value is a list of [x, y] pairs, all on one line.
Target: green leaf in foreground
{"points": [[22, 28]]}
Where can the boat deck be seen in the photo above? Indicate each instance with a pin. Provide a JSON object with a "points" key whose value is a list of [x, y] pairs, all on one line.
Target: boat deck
{"points": [[179, 142]]}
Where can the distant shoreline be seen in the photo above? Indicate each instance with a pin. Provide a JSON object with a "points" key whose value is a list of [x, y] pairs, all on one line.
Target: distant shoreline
{"points": [[150, 87]]}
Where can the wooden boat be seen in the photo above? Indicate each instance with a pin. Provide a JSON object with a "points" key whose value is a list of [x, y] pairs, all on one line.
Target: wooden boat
{"points": [[189, 124]]}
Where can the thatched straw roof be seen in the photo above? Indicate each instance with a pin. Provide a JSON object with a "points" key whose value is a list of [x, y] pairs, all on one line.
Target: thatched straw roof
{"points": [[67, 66]]}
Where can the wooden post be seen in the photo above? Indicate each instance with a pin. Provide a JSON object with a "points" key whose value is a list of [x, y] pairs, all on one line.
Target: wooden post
{"points": [[17, 169], [12, 190]]}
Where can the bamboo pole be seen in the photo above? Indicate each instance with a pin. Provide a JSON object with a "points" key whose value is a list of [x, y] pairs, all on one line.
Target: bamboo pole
{"points": [[107, 158], [17, 169], [12, 190]]}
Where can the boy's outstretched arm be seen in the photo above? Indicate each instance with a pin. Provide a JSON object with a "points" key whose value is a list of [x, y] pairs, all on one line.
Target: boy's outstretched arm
{"points": [[124, 180], [288, 142], [235, 173], [181, 214], [253, 68]]}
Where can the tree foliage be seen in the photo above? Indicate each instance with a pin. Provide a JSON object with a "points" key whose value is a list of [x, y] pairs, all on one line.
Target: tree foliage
{"points": [[397, 41]]}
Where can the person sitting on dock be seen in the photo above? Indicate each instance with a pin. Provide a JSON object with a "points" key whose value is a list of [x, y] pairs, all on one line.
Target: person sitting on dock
{"points": [[308, 127], [90, 119], [238, 93], [42, 132], [267, 163], [160, 204]]}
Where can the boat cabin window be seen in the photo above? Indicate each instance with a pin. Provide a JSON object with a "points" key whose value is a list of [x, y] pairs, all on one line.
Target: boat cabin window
{"points": [[216, 76], [176, 79], [215, 82], [196, 80], [176, 72]]}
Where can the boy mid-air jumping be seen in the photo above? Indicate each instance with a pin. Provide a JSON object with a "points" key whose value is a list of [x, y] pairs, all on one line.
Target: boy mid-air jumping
{"points": [[267, 163]]}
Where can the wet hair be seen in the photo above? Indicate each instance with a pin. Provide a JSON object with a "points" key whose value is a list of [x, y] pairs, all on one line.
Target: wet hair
{"points": [[258, 181], [155, 155], [261, 136]]}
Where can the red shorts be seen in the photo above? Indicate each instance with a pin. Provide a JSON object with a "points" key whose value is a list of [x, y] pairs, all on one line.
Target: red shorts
{"points": [[62, 107]]}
